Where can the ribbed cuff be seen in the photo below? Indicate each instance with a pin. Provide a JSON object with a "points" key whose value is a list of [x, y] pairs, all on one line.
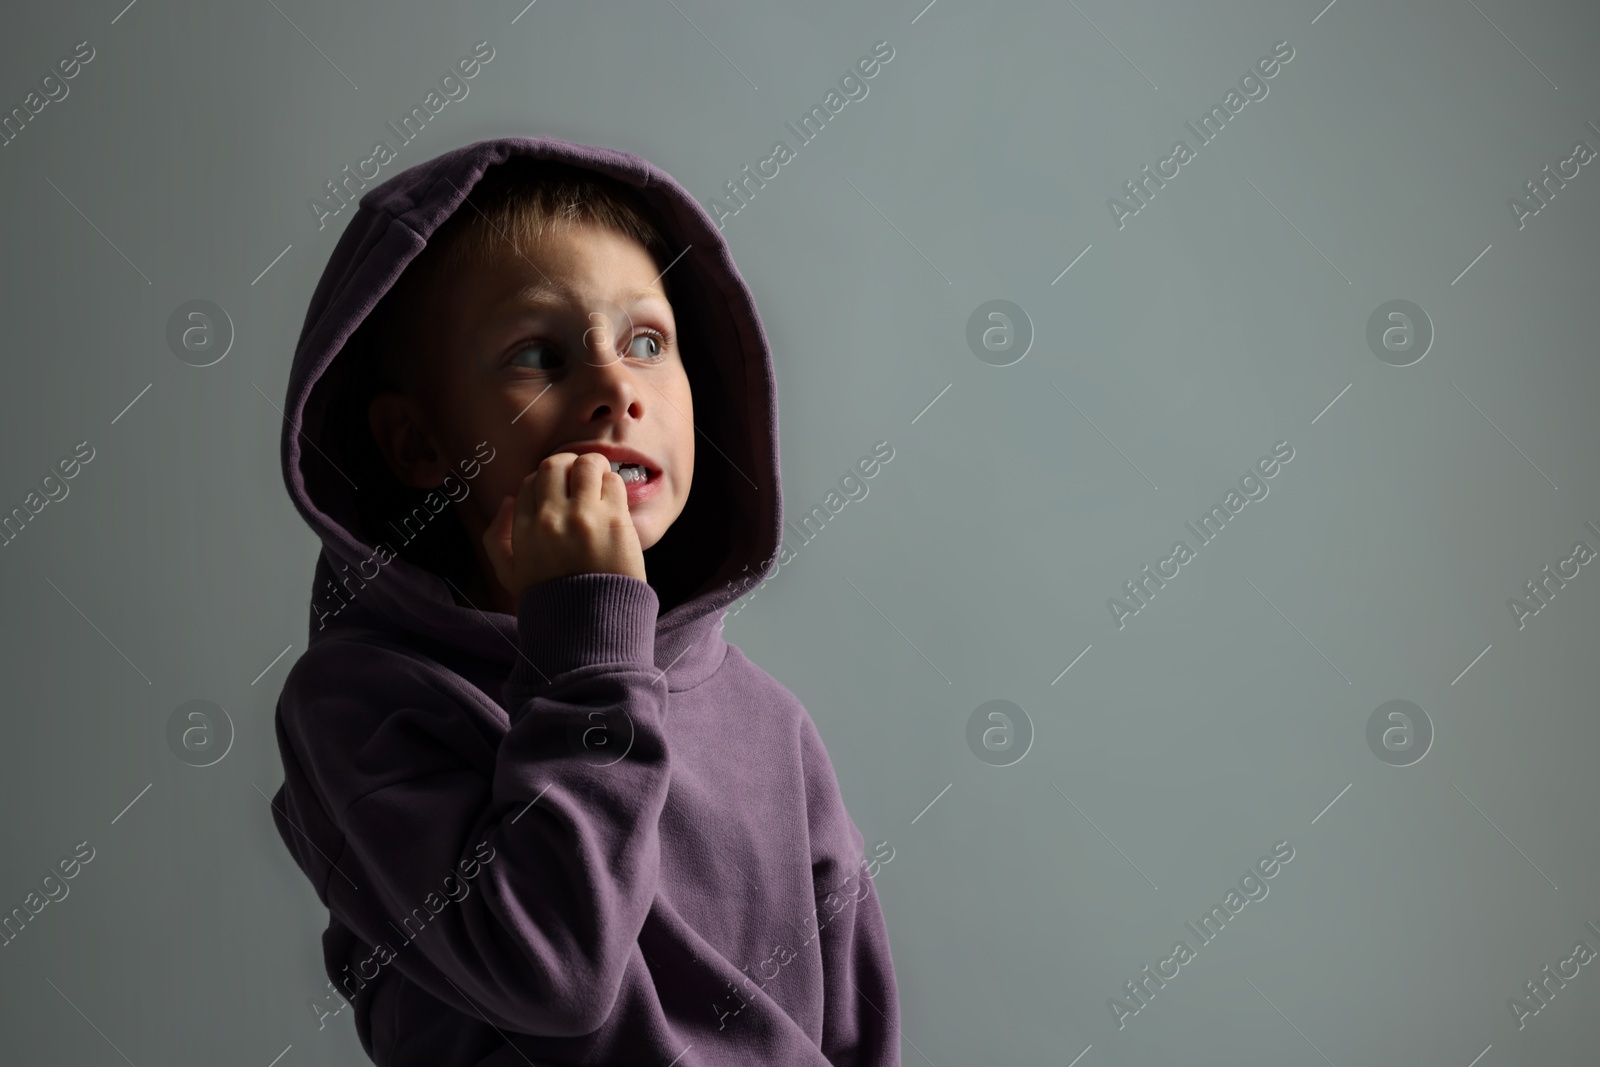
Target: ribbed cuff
{"points": [[581, 620]]}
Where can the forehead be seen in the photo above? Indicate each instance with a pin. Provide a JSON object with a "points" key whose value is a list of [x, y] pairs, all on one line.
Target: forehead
{"points": [[569, 262]]}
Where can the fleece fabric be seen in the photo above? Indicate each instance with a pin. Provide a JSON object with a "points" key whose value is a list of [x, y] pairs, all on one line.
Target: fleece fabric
{"points": [[593, 832]]}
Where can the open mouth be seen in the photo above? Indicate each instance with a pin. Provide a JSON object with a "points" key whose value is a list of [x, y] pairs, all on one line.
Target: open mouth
{"points": [[632, 472]]}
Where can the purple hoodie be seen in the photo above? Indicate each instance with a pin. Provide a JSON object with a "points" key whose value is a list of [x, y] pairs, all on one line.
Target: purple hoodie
{"points": [[593, 832]]}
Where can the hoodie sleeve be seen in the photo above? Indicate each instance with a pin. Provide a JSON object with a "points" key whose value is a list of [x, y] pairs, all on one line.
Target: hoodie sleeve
{"points": [[569, 812], [861, 1014]]}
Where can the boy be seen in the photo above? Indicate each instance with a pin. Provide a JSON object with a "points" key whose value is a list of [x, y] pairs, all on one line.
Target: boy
{"points": [[554, 816]]}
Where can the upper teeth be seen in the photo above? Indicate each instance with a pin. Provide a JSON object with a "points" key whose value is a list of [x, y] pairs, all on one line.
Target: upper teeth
{"points": [[630, 472]]}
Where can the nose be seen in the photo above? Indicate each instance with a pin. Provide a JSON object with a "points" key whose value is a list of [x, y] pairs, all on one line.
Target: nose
{"points": [[610, 387]]}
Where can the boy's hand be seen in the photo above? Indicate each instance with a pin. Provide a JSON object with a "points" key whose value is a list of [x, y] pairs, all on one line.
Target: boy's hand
{"points": [[570, 517]]}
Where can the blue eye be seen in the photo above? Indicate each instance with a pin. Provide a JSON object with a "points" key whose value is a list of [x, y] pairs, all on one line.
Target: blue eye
{"points": [[653, 351], [542, 357]]}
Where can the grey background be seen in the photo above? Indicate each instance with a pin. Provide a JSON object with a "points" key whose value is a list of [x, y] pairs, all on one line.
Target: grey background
{"points": [[1223, 718]]}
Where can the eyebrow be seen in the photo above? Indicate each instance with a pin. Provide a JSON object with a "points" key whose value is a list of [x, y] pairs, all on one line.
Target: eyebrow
{"points": [[545, 293]]}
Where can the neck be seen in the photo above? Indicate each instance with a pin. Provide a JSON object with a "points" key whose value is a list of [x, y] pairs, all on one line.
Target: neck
{"points": [[484, 590], [486, 593]]}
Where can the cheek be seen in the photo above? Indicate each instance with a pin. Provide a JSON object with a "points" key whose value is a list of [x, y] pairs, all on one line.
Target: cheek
{"points": [[490, 491], [522, 432], [680, 421], [514, 459], [462, 418], [684, 398]]}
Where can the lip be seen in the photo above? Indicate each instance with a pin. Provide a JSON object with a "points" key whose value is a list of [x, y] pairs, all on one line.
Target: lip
{"points": [[638, 492], [614, 453]]}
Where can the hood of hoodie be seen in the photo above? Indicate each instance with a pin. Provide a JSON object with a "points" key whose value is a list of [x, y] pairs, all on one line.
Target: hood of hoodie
{"points": [[735, 491]]}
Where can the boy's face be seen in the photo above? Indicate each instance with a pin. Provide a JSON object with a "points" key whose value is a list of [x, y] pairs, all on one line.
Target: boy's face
{"points": [[569, 344]]}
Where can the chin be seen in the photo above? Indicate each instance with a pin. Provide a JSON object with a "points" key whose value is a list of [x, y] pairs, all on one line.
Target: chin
{"points": [[649, 532], [652, 525]]}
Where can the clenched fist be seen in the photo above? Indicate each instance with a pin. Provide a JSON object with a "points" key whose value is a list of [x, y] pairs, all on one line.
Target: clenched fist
{"points": [[570, 517]]}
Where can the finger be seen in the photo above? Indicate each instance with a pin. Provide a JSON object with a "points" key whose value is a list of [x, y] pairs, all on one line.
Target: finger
{"points": [[588, 471], [535, 490], [613, 490], [497, 539], [546, 485], [497, 535]]}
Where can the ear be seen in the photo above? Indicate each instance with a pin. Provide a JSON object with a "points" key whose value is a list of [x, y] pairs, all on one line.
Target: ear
{"points": [[406, 441]]}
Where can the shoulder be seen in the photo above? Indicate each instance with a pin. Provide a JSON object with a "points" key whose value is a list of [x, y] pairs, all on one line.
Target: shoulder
{"points": [[741, 679], [833, 832], [357, 663], [346, 668], [351, 691], [776, 703], [835, 840]]}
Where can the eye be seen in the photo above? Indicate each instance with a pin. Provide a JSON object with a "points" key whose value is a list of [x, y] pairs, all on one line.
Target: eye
{"points": [[538, 354], [652, 350]]}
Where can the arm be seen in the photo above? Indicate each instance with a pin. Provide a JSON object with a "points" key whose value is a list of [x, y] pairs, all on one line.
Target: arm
{"points": [[861, 1011], [539, 939]]}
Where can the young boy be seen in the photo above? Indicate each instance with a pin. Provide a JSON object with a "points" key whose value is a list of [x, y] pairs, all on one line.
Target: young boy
{"points": [[554, 816]]}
